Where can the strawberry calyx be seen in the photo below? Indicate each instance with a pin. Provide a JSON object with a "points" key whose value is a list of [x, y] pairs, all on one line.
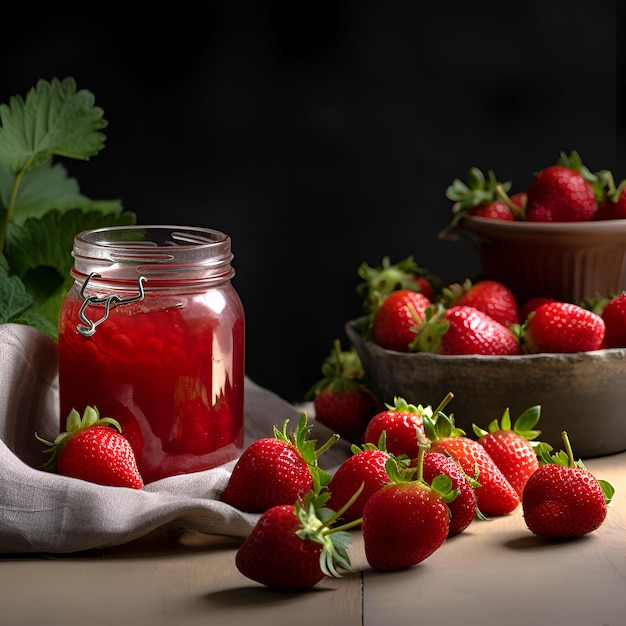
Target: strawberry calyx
{"points": [[479, 189], [430, 331], [441, 484], [524, 426], [608, 189], [565, 458], [342, 370], [307, 448], [452, 292], [400, 405], [379, 282], [318, 525], [74, 424]]}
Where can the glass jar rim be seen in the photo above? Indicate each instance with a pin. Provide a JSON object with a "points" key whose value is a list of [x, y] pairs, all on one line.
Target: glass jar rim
{"points": [[159, 251]]}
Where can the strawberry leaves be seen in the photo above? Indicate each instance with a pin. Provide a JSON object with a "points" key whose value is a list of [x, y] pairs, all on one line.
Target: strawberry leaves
{"points": [[41, 207], [54, 119], [524, 426]]}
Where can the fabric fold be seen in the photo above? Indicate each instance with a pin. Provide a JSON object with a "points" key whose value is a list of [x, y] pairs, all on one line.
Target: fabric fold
{"points": [[42, 512]]}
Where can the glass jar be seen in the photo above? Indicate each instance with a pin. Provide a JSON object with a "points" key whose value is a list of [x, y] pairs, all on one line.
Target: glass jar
{"points": [[152, 334]]}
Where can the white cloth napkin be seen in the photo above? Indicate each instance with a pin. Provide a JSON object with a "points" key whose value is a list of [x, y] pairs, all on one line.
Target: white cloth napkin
{"points": [[42, 512]]}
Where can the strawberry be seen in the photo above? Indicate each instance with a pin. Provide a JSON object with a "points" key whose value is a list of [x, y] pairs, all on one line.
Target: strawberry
{"points": [[614, 316], [276, 470], [489, 296], [465, 330], [92, 448], [341, 399], [379, 282], [496, 210], [495, 496], [562, 193], [563, 499], [520, 199], [395, 321], [463, 509], [483, 197], [292, 547], [512, 446], [613, 204], [407, 520], [365, 467], [533, 304], [562, 327], [400, 422]]}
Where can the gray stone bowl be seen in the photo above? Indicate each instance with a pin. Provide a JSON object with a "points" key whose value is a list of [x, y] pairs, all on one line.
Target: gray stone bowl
{"points": [[582, 393]]}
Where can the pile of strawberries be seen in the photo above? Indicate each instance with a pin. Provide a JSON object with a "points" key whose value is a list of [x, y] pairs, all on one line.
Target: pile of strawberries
{"points": [[407, 309], [415, 481], [565, 192]]}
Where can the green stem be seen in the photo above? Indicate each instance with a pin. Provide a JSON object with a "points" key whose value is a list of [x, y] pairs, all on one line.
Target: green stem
{"points": [[568, 449], [519, 213], [10, 207], [443, 404], [333, 438]]}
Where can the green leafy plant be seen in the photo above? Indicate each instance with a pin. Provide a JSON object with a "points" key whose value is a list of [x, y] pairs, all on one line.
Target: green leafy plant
{"points": [[41, 207]]}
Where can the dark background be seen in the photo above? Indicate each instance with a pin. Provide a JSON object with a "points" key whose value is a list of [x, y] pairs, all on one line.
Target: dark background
{"points": [[323, 134]]}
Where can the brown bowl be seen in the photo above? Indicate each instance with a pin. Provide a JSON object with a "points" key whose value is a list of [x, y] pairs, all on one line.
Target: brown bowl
{"points": [[571, 261], [583, 393]]}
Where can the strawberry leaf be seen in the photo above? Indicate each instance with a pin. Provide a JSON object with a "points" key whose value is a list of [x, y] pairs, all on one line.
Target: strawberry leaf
{"points": [[37, 252], [16, 305], [54, 119], [45, 188]]}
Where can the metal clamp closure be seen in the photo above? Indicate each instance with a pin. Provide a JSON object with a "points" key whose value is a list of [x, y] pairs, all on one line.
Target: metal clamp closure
{"points": [[88, 327]]}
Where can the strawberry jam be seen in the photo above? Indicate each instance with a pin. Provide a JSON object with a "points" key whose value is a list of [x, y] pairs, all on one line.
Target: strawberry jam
{"points": [[152, 333]]}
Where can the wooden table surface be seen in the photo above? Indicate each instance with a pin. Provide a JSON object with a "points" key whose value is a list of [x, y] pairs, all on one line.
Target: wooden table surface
{"points": [[495, 572]]}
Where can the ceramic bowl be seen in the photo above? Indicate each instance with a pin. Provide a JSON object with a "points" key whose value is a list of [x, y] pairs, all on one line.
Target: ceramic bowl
{"points": [[571, 261], [582, 393]]}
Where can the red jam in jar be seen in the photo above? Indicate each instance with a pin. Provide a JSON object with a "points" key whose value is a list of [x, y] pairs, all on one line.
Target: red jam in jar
{"points": [[152, 334]]}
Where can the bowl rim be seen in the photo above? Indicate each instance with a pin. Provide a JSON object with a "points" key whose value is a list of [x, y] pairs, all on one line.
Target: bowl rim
{"points": [[596, 227]]}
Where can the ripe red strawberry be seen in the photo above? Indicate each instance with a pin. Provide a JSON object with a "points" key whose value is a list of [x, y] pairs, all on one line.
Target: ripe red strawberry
{"points": [[276, 470], [379, 282], [511, 446], [341, 399], [292, 547], [92, 448], [400, 423], [614, 316], [465, 330], [365, 467], [495, 496], [562, 192], [563, 499], [489, 296], [562, 327], [463, 509], [496, 210], [395, 321], [407, 520]]}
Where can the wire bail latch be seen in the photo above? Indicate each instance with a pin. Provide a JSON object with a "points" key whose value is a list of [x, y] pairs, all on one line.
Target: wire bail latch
{"points": [[88, 327]]}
